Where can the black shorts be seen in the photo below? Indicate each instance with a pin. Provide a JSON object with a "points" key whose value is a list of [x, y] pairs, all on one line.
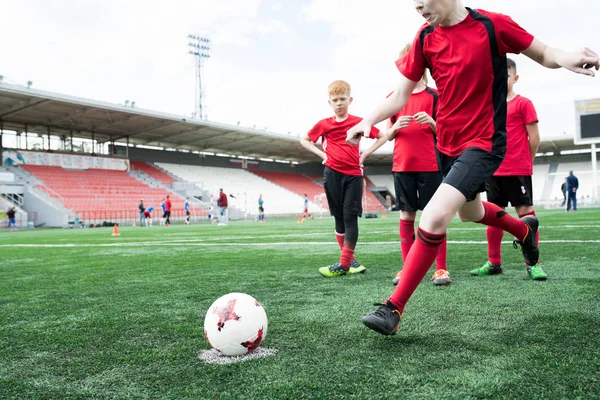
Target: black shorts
{"points": [[261, 209], [344, 193], [514, 189], [187, 213], [415, 189], [470, 171]]}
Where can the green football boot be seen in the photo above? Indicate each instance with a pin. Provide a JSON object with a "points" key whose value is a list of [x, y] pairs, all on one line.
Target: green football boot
{"points": [[487, 269], [336, 269], [536, 272], [356, 267]]}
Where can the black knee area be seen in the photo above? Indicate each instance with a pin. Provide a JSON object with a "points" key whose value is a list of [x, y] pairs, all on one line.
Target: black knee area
{"points": [[351, 224], [339, 225]]}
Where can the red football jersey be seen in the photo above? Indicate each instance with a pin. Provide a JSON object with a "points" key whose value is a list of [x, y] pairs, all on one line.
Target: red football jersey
{"points": [[168, 205], [518, 158], [414, 146], [468, 63], [341, 155]]}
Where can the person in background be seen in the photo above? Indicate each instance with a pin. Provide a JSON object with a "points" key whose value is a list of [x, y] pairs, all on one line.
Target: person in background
{"points": [[572, 186], [148, 215], [141, 210], [10, 214], [261, 209], [563, 189], [186, 207], [164, 212], [222, 204]]}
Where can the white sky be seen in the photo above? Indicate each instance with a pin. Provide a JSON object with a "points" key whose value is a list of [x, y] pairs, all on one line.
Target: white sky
{"points": [[271, 61]]}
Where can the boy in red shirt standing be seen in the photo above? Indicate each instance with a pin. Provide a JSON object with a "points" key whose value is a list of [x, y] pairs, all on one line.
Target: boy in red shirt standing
{"points": [[168, 211], [466, 51], [512, 181], [416, 173], [342, 175]]}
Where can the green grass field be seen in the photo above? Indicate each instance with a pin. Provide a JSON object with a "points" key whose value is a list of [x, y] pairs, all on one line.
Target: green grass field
{"points": [[87, 315]]}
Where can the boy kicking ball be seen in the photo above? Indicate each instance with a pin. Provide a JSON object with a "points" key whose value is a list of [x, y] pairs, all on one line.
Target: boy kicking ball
{"points": [[466, 52]]}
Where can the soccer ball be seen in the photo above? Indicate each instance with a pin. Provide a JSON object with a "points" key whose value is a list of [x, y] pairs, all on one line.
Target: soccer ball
{"points": [[235, 324]]}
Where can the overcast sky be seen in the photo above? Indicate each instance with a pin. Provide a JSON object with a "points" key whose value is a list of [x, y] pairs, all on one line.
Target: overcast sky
{"points": [[271, 61]]}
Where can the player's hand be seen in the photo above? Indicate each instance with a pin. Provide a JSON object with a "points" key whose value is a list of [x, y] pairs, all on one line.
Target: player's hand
{"points": [[361, 160], [324, 157], [422, 118], [582, 61], [402, 122], [357, 131]]}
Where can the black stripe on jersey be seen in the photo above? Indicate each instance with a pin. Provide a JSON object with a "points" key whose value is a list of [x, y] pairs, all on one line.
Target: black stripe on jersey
{"points": [[422, 35], [435, 99], [500, 86]]}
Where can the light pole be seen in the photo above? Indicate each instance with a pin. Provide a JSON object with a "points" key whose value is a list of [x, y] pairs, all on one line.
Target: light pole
{"points": [[199, 47]]}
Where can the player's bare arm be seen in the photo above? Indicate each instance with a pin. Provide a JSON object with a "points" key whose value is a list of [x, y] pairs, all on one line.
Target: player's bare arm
{"points": [[533, 132], [390, 106], [582, 61], [425, 119], [381, 139], [310, 146]]}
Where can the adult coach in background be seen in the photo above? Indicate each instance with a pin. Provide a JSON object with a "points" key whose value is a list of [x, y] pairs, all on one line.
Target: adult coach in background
{"points": [[512, 181], [572, 186], [415, 169], [222, 204], [466, 51]]}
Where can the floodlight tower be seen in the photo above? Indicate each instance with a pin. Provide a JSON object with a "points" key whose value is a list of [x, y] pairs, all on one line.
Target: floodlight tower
{"points": [[199, 47]]}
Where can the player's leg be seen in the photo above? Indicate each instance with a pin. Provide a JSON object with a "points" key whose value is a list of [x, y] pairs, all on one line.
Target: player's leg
{"points": [[405, 186], [427, 183], [466, 177], [353, 191], [497, 193], [523, 202], [333, 185]]}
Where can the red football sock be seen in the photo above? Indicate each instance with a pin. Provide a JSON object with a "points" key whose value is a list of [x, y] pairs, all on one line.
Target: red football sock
{"points": [[347, 256], [407, 236], [417, 264], [537, 234], [494, 238], [440, 260], [340, 239], [497, 217]]}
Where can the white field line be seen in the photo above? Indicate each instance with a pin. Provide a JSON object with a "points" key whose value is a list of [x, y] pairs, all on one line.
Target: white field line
{"points": [[195, 244]]}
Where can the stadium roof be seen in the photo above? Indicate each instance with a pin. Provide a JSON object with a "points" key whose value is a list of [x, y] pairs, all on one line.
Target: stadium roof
{"points": [[32, 110]]}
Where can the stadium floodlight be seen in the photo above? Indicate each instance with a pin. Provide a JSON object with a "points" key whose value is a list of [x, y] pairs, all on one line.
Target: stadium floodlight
{"points": [[132, 104], [1, 78], [199, 47], [29, 83], [126, 103]]}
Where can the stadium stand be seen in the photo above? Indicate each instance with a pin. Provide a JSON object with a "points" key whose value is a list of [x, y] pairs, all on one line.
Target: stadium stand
{"points": [[96, 193], [245, 186], [299, 184], [152, 171]]}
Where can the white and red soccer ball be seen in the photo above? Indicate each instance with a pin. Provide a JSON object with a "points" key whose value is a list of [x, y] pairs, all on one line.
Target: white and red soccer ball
{"points": [[235, 324]]}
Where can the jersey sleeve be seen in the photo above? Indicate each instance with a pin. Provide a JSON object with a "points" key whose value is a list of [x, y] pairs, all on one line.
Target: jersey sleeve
{"points": [[528, 112], [316, 132], [374, 132], [413, 64], [511, 37]]}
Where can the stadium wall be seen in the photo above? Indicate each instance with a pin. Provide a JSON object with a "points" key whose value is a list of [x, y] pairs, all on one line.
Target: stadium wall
{"points": [[151, 156]]}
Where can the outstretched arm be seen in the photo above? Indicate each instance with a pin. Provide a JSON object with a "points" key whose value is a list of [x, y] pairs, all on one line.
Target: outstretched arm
{"points": [[582, 61], [390, 106]]}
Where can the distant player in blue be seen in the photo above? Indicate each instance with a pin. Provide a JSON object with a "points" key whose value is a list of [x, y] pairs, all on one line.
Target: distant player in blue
{"points": [[306, 213], [148, 215], [572, 186], [186, 207], [163, 207], [261, 209]]}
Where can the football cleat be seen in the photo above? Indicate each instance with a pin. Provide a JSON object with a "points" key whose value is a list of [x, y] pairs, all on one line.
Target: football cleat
{"points": [[536, 272], [356, 267], [336, 269], [397, 278], [441, 277], [531, 253], [487, 269], [384, 320]]}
